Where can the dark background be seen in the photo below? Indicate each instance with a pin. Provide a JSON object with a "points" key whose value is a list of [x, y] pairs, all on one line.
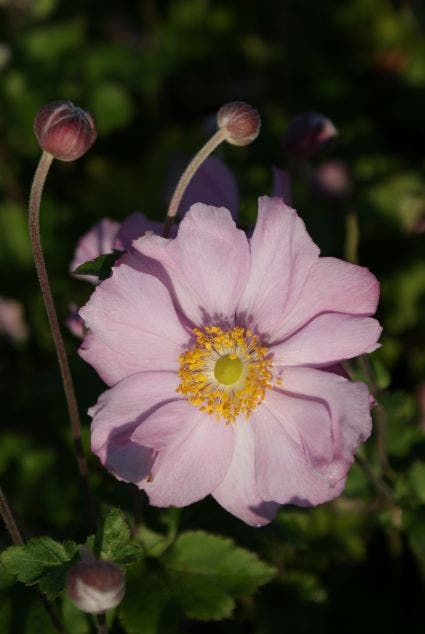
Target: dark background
{"points": [[154, 73]]}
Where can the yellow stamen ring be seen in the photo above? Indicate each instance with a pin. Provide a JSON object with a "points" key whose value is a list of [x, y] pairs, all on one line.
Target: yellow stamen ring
{"points": [[226, 373]]}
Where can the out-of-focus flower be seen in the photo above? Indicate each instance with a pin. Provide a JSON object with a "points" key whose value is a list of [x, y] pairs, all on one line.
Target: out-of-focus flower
{"points": [[333, 181], [308, 134], [217, 349], [64, 130], [12, 320], [99, 240], [213, 184], [282, 185], [74, 323], [95, 586]]}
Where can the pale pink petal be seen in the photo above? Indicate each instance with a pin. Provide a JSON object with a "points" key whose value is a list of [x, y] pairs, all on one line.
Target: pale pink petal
{"points": [[306, 435], [205, 268], [213, 184], [282, 254], [282, 185], [117, 414], [328, 339], [334, 286], [238, 492], [194, 453], [99, 240], [348, 401], [134, 326], [73, 321]]}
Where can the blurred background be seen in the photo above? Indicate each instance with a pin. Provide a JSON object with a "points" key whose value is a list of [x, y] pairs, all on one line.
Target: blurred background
{"points": [[154, 73]]}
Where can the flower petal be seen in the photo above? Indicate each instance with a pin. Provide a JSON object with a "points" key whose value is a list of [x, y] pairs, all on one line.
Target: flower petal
{"points": [[328, 339], [306, 436], [282, 254], [194, 453], [205, 268], [334, 286], [134, 326], [238, 493], [116, 415]]}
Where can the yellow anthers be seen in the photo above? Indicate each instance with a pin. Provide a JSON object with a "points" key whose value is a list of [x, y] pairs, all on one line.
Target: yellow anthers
{"points": [[226, 373]]}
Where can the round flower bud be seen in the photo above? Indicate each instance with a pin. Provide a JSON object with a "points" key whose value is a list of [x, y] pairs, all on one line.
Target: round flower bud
{"points": [[307, 134], [241, 122], [95, 586], [333, 181], [64, 130]]}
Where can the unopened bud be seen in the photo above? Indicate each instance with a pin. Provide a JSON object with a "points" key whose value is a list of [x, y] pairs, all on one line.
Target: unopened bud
{"points": [[64, 131], [333, 181], [95, 586], [307, 134], [241, 122]]}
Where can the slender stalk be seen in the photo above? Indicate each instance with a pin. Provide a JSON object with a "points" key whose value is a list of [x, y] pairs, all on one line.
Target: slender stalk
{"points": [[380, 417], [102, 627], [9, 520], [74, 417], [187, 175], [376, 480], [352, 235], [17, 539]]}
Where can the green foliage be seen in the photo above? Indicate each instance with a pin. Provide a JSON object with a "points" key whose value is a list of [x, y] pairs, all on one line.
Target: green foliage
{"points": [[153, 73], [114, 540], [41, 560], [200, 573], [101, 266]]}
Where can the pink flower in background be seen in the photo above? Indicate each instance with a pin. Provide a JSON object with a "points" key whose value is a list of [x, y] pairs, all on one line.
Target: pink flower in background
{"points": [[12, 320], [308, 134], [220, 353]]}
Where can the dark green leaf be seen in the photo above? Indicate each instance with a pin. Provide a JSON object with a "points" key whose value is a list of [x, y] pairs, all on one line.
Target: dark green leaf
{"points": [[100, 266], [115, 540], [41, 560], [208, 572]]}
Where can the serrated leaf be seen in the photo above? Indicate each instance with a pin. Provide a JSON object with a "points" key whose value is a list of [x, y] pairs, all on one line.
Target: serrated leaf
{"points": [[101, 266], [38, 555], [115, 544], [41, 560], [208, 572]]}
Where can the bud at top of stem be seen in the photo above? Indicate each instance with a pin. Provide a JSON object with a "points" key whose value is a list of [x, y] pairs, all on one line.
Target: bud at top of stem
{"points": [[307, 134], [64, 130], [95, 586], [240, 121]]}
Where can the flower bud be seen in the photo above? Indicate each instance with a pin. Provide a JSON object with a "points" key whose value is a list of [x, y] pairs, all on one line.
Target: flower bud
{"points": [[307, 134], [95, 586], [241, 122], [333, 181], [64, 130]]}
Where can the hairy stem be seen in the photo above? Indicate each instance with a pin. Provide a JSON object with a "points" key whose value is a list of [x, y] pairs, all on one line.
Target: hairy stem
{"points": [[74, 417], [187, 176]]}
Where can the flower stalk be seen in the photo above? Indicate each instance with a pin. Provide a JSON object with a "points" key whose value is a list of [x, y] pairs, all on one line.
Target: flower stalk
{"points": [[218, 137], [34, 230]]}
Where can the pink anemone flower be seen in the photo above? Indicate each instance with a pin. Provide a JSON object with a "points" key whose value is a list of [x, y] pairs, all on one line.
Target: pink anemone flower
{"points": [[220, 352]]}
